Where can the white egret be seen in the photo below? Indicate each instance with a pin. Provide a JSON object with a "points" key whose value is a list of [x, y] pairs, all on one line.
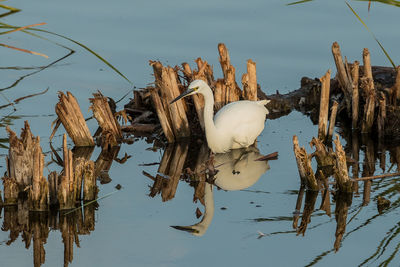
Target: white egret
{"points": [[236, 125]]}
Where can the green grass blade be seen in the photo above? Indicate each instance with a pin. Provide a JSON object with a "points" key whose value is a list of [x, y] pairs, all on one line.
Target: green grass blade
{"points": [[299, 2], [10, 9], [373, 35], [88, 49], [388, 2], [28, 31], [92, 201]]}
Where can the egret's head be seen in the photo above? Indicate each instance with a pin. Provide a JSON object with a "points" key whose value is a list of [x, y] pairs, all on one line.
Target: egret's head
{"points": [[195, 87]]}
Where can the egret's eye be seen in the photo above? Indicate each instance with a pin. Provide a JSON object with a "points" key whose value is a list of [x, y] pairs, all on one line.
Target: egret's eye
{"points": [[195, 88]]}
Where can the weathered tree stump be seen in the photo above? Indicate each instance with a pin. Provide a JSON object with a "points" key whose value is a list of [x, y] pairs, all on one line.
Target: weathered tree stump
{"points": [[324, 105], [304, 166], [70, 115], [111, 134], [249, 82], [233, 91], [67, 188], [341, 174], [20, 156], [10, 191], [39, 192]]}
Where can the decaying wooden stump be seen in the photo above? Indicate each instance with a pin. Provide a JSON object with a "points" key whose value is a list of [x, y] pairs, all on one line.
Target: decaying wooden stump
{"points": [[233, 91], [67, 187], [343, 74], [249, 82], [332, 120], [111, 134], [20, 156], [304, 165], [70, 115], [53, 188], [10, 191], [324, 105], [355, 94], [39, 192], [341, 174]]}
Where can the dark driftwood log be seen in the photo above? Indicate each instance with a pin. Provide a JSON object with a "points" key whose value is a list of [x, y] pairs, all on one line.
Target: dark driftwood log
{"points": [[110, 129], [69, 112]]}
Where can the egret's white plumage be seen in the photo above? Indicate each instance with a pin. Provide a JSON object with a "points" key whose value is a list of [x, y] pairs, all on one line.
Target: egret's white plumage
{"points": [[235, 125]]}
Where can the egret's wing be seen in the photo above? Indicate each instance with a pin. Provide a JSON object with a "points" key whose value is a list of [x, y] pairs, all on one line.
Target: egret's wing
{"points": [[242, 137]]}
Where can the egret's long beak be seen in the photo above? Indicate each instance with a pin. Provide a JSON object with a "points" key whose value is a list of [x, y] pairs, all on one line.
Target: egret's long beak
{"points": [[186, 93], [185, 228]]}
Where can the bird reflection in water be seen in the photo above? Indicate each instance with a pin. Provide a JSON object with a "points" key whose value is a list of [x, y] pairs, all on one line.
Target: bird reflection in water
{"points": [[236, 170]]}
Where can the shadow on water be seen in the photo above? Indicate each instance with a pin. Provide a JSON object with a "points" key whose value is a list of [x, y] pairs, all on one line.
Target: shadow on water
{"points": [[236, 170]]}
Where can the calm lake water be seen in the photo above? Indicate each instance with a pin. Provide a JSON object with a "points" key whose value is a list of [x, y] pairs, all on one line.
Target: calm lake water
{"points": [[130, 228]]}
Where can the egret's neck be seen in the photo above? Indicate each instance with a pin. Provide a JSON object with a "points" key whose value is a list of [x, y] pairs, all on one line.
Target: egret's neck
{"points": [[209, 113]]}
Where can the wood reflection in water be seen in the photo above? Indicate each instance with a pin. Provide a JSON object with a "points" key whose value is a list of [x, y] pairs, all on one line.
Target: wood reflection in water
{"points": [[103, 163], [171, 168], [356, 145], [343, 202], [36, 226]]}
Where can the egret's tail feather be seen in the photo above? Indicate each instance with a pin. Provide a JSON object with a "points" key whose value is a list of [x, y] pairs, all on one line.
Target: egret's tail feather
{"points": [[263, 102]]}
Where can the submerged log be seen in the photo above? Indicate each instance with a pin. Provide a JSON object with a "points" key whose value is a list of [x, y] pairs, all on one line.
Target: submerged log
{"points": [[69, 112], [111, 134]]}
